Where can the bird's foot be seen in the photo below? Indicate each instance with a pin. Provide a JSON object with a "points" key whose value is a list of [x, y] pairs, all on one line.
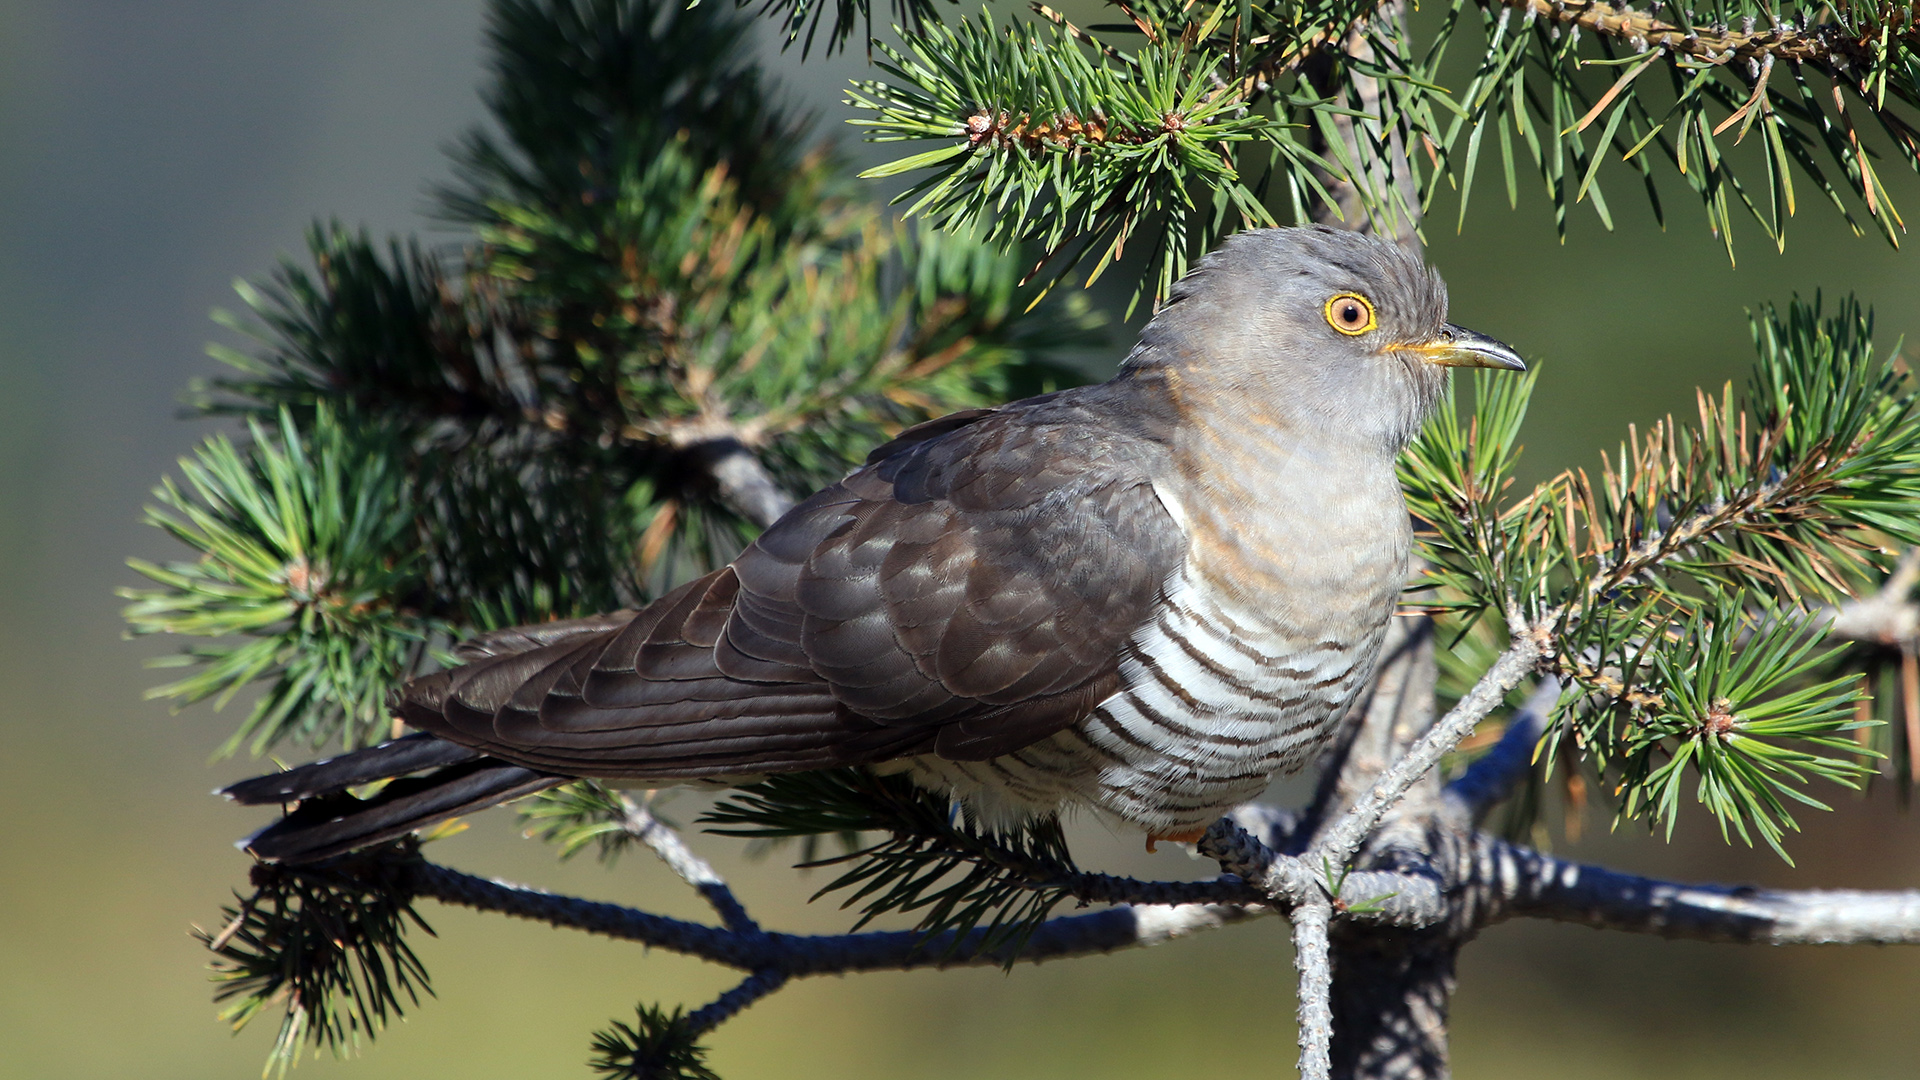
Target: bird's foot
{"points": [[1185, 836]]}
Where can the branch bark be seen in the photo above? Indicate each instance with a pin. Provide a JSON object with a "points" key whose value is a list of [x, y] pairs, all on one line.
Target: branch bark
{"points": [[1889, 617], [690, 868], [1346, 835], [1497, 772], [1828, 47], [1540, 886], [796, 955], [742, 482], [1310, 956]]}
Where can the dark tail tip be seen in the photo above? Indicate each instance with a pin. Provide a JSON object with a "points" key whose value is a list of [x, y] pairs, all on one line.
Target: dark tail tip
{"points": [[335, 823], [331, 775]]}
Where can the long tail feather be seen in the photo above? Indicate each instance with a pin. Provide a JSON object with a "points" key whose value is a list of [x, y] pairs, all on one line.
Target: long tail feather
{"points": [[327, 776], [331, 824]]}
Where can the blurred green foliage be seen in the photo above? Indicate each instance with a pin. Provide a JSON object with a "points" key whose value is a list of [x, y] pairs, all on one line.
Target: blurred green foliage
{"points": [[514, 427]]}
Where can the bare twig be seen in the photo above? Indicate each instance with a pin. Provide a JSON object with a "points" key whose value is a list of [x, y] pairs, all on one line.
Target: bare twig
{"points": [[1276, 827], [1494, 775], [1395, 711], [796, 955], [742, 482], [1340, 842], [728, 1005], [1289, 882], [1888, 617], [1541, 886], [1826, 46], [692, 869], [1310, 958], [1110, 889]]}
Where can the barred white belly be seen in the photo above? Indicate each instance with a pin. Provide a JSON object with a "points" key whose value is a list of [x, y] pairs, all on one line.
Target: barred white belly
{"points": [[1217, 702]]}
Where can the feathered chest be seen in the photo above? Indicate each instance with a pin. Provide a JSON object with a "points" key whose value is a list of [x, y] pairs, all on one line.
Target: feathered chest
{"points": [[1215, 656], [1257, 641], [1260, 643], [1288, 573]]}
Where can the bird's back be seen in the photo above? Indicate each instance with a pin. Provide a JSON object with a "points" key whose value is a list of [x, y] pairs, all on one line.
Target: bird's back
{"points": [[966, 593]]}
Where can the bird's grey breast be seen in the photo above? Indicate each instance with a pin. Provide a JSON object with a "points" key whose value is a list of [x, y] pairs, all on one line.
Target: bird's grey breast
{"points": [[1263, 637]]}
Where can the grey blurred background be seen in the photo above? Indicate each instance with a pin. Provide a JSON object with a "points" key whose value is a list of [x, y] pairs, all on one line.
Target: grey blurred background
{"points": [[150, 153]]}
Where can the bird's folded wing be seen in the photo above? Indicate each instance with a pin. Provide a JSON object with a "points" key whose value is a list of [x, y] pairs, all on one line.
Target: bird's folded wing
{"points": [[965, 593]]}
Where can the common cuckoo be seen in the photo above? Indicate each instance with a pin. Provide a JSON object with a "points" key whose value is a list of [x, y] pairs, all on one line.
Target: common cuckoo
{"points": [[1146, 597]]}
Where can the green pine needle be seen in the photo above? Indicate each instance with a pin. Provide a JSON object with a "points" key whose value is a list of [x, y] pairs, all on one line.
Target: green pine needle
{"points": [[658, 1046], [1648, 573], [931, 861], [573, 816], [306, 547], [327, 949]]}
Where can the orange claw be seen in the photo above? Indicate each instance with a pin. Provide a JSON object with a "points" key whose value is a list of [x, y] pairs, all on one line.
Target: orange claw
{"points": [[1190, 836]]}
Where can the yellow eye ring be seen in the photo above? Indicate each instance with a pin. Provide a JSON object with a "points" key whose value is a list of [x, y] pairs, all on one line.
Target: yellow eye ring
{"points": [[1351, 314]]}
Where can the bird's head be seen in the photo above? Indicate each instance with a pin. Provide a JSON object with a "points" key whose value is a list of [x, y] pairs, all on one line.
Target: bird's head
{"points": [[1341, 334]]}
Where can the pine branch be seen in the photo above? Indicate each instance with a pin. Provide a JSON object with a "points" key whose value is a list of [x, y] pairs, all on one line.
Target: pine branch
{"points": [[1754, 72], [326, 941], [1888, 616], [1829, 47], [743, 484], [1541, 886], [1884, 627], [1494, 774], [1643, 576], [305, 563], [1149, 146], [953, 875], [1322, 874], [1067, 138], [1883, 632], [588, 812], [329, 947], [1342, 841], [832, 954], [640, 823], [730, 1004]]}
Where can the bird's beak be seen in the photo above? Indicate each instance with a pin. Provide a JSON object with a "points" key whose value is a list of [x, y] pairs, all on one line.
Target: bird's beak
{"points": [[1457, 346]]}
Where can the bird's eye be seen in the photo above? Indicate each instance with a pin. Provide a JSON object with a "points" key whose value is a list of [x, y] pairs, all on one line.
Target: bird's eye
{"points": [[1351, 314]]}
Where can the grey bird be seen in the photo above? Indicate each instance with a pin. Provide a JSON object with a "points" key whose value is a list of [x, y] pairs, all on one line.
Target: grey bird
{"points": [[1144, 598]]}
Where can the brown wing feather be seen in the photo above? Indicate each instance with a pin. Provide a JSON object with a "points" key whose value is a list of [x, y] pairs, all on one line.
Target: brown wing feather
{"points": [[965, 593]]}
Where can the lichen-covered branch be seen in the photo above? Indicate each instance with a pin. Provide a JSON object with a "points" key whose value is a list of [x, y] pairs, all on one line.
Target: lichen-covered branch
{"points": [[1290, 882], [741, 481], [643, 826], [1887, 617]]}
